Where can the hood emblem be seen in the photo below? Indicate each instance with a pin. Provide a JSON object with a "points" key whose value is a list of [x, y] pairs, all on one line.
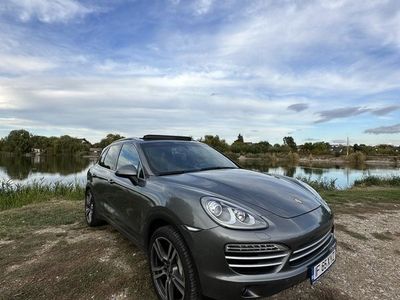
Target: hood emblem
{"points": [[298, 201]]}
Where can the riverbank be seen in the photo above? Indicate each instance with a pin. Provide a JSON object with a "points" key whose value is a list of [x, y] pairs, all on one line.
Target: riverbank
{"points": [[323, 160], [17, 195], [46, 249]]}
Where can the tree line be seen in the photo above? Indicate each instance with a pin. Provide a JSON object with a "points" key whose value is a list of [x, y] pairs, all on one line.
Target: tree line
{"points": [[239, 146], [22, 142]]}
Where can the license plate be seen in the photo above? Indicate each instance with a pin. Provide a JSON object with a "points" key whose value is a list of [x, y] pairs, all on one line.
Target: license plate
{"points": [[322, 266]]}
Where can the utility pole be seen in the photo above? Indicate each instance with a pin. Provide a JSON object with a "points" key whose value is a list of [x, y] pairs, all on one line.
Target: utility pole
{"points": [[347, 146]]}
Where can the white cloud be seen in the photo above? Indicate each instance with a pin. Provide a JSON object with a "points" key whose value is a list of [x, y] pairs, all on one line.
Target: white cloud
{"points": [[22, 63], [202, 67], [47, 11], [202, 7], [178, 103]]}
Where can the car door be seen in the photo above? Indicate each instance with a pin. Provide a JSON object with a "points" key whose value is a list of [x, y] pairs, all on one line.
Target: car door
{"points": [[99, 180], [129, 198], [107, 174]]}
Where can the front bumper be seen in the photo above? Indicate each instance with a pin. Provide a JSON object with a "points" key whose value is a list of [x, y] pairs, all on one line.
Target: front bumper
{"points": [[219, 281]]}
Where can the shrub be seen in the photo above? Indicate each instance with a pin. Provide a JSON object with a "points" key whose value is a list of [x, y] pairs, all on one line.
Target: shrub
{"points": [[322, 184], [378, 181], [293, 157], [356, 158]]}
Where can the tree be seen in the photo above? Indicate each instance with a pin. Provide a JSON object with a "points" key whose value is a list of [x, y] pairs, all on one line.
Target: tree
{"points": [[215, 142], [289, 141], [109, 139], [240, 139], [18, 141]]}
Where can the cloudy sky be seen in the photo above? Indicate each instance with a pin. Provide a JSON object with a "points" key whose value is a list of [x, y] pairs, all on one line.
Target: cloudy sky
{"points": [[311, 69]]}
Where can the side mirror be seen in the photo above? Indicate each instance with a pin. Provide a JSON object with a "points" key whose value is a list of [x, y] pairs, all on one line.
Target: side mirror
{"points": [[128, 171]]}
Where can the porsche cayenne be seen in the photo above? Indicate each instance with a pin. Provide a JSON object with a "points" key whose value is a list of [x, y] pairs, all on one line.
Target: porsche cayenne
{"points": [[210, 228]]}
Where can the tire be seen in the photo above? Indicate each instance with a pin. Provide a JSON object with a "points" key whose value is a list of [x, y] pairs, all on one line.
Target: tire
{"points": [[91, 216], [172, 267]]}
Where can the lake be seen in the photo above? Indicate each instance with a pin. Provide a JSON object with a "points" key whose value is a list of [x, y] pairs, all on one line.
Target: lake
{"points": [[25, 170]]}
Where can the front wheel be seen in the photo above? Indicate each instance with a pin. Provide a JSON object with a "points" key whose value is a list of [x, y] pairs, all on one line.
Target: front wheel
{"points": [[171, 266]]}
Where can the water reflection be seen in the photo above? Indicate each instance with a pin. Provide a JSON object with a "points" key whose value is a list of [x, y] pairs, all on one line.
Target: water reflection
{"points": [[344, 175], [73, 169], [24, 169]]}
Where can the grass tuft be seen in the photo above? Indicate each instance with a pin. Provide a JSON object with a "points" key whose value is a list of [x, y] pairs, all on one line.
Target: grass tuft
{"points": [[378, 181], [14, 195], [322, 184]]}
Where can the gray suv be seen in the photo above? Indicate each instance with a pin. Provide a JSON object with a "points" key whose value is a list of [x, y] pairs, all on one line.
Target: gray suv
{"points": [[210, 228]]}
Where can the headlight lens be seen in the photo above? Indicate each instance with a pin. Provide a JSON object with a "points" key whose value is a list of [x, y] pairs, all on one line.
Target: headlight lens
{"points": [[315, 193], [231, 215]]}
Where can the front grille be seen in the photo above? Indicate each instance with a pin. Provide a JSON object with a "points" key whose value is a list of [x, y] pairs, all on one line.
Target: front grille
{"points": [[310, 250], [256, 258]]}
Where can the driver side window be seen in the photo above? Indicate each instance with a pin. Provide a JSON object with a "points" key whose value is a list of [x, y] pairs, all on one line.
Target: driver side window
{"points": [[128, 156]]}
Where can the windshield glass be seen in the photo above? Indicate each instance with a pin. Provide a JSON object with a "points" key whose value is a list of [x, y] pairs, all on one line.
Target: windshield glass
{"points": [[180, 157]]}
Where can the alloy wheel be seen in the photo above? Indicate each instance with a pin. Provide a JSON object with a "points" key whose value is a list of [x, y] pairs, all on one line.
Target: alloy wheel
{"points": [[89, 207], [167, 270]]}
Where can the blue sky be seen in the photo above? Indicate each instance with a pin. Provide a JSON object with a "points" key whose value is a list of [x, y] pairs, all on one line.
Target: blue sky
{"points": [[316, 70]]}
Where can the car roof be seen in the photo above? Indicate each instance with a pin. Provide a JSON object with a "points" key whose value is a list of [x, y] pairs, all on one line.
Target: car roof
{"points": [[156, 137]]}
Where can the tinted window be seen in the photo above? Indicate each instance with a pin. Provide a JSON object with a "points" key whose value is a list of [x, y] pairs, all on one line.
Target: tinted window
{"points": [[175, 157], [102, 157], [128, 156], [110, 160]]}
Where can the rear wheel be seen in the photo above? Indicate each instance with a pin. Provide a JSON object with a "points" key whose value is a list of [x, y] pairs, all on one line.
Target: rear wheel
{"points": [[91, 215], [172, 270]]}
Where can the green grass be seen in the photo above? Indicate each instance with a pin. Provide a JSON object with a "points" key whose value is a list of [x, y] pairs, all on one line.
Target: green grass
{"points": [[368, 189], [358, 200], [378, 181], [323, 184], [14, 195]]}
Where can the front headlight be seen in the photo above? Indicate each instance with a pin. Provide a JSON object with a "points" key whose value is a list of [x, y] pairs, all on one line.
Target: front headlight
{"points": [[231, 215], [315, 193]]}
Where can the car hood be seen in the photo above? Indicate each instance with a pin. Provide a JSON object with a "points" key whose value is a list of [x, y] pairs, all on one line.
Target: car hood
{"points": [[277, 194]]}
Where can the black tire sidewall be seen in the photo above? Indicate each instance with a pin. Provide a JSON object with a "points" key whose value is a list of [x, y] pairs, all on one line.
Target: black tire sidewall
{"points": [[95, 220], [192, 287]]}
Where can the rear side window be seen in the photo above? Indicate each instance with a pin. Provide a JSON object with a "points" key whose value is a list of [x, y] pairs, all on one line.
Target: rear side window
{"points": [[128, 156], [110, 161]]}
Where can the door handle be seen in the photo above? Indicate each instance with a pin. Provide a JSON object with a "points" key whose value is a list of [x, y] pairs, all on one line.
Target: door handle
{"points": [[111, 181]]}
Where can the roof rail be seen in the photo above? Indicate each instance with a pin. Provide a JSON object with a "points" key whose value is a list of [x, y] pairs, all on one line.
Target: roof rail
{"points": [[150, 137]]}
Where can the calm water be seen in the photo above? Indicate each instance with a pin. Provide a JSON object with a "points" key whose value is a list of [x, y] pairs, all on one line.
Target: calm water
{"points": [[73, 169]]}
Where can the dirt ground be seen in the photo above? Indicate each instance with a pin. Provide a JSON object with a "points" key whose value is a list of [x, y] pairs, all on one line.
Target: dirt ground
{"points": [[47, 252]]}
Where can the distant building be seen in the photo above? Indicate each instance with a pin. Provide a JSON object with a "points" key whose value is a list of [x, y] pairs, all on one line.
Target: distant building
{"points": [[85, 141], [95, 150], [36, 151]]}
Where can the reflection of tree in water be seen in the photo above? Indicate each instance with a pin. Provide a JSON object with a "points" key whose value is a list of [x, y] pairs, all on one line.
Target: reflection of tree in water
{"points": [[290, 171], [19, 167], [16, 167], [256, 165], [266, 165], [313, 171]]}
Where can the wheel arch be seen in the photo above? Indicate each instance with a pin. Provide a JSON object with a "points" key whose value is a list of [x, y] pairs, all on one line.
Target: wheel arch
{"points": [[160, 218]]}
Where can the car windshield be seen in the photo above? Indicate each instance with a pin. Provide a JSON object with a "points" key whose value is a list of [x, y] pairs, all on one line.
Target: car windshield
{"points": [[174, 157]]}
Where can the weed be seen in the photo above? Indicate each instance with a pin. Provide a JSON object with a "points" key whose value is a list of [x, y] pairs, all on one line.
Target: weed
{"points": [[14, 195]]}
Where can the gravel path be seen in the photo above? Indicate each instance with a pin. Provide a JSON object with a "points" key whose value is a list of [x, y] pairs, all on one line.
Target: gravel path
{"points": [[64, 259], [368, 260]]}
